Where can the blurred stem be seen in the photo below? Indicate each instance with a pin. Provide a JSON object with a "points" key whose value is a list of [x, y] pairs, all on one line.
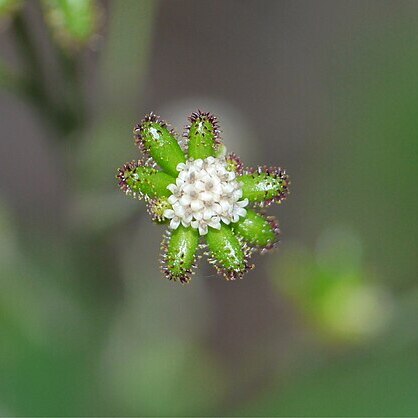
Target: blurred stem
{"points": [[73, 82], [26, 47], [61, 117], [123, 69], [11, 81]]}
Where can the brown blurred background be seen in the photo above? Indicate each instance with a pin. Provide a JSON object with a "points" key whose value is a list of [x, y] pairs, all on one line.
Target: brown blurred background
{"points": [[324, 326]]}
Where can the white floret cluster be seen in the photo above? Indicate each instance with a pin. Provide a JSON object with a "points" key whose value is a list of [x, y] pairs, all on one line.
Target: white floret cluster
{"points": [[204, 195]]}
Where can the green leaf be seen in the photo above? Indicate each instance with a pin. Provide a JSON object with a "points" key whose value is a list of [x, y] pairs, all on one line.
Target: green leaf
{"points": [[257, 230], [265, 185], [227, 252], [153, 137], [203, 135], [135, 178], [181, 254]]}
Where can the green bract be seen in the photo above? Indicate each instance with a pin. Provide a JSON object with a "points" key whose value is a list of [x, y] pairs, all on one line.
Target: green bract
{"points": [[203, 196]]}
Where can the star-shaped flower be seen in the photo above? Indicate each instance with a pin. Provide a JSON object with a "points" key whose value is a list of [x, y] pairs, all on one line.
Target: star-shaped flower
{"points": [[203, 195]]}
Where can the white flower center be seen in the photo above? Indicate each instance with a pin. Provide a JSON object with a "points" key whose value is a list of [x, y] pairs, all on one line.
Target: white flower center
{"points": [[204, 195]]}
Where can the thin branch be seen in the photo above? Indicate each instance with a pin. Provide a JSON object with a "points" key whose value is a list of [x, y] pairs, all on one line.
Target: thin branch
{"points": [[33, 84]]}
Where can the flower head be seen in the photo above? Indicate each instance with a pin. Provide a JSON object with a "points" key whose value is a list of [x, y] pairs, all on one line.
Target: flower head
{"points": [[203, 195]]}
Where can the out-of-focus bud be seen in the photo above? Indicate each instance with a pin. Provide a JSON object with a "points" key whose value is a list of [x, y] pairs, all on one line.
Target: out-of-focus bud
{"points": [[353, 310], [8, 7], [73, 22], [340, 298]]}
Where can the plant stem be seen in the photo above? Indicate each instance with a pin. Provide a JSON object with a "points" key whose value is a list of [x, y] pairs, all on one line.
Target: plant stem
{"points": [[33, 85], [11, 81]]}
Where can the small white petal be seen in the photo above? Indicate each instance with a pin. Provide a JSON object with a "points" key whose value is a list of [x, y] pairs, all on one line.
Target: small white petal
{"points": [[243, 203], [189, 188], [217, 208], [188, 218], [196, 205], [208, 213], [215, 222], [172, 199], [198, 163], [180, 182], [217, 188], [185, 200], [237, 194], [212, 171], [228, 188], [231, 175], [174, 223], [221, 170], [200, 185], [241, 212], [225, 205], [172, 187], [185, 223], [206, 196], [181, 178], [179, 210], [198, 216], [180, 166], [203, 229], [168, 213]]}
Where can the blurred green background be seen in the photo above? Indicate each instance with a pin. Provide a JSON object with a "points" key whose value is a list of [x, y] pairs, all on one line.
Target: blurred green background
{"points": [[326, 325]]}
